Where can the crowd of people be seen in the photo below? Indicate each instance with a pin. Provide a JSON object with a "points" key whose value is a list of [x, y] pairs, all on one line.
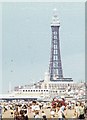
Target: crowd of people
{"points": [[37, 109]]}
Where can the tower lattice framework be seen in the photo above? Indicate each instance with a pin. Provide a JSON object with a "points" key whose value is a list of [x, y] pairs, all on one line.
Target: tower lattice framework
{"points": [[55, 67]]}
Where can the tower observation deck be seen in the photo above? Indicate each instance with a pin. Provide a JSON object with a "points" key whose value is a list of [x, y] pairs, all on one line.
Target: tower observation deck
{"points": [[55, 66]]}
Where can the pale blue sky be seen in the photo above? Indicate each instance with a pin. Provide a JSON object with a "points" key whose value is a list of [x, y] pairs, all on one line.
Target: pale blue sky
{"points": [[26, 41]]}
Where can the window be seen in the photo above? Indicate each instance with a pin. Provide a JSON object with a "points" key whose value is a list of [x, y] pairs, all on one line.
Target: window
{"points": [[55, 37], [55, 33]]}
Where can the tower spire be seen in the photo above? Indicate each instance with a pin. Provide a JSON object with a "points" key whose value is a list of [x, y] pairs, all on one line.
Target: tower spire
{"points": [[55, 19]]}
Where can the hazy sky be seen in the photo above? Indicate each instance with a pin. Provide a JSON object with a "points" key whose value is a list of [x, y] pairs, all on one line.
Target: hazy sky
{"points": [[26, 41]]}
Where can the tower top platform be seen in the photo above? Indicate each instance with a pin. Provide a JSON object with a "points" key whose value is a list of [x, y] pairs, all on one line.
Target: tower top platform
{"points": [[55, 19]]}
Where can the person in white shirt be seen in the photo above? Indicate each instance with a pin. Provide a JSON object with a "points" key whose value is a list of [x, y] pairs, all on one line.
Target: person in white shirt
{"points": [[33, 107], [37, 114], [81, 111], [52, 113], [61, 114], [76, 113], [37, 107]]}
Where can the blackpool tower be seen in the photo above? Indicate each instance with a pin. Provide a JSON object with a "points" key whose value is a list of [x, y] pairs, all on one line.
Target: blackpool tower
{"points": [[55, 66]]}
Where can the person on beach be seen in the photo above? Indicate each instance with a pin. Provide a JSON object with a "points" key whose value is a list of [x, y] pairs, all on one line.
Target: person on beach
{"points": [[37, 115], [44, 116], [81, 111], [76, 113], [61, 115], [16, 114], [33, 107], [52, 113], [21, 116], [12, 111], [25, 115]]}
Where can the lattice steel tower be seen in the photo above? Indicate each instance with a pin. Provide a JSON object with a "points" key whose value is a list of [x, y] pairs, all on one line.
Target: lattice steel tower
{"points": [[55, 67]]}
